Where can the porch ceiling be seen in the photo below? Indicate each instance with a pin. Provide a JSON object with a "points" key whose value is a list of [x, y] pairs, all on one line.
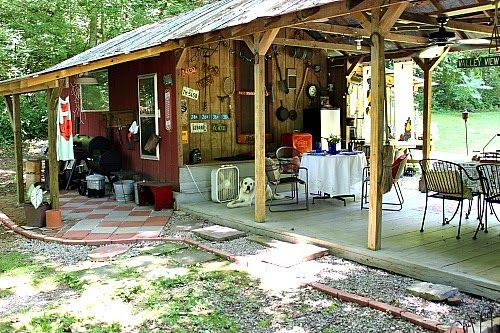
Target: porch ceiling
{"points": [[336, 24]]}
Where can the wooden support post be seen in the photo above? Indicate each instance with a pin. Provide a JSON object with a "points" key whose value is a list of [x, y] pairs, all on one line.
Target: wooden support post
{"points": [[52, 100], [261, 43], [260, 142], [14, 111], [377, 132], [426, 135]]}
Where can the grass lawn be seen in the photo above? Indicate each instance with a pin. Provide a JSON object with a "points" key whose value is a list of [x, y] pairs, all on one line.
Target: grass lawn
{"points": [[451, 129]]}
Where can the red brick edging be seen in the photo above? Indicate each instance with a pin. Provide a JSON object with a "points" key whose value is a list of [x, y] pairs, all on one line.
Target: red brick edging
{"points": [[423, 322]]}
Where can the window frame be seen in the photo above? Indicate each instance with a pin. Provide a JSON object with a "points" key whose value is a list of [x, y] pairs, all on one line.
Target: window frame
{"points": [[80, 91], [156, 115]]}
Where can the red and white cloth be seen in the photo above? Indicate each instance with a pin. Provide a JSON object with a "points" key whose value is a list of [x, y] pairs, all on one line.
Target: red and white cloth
{"points": [[64, 131]]}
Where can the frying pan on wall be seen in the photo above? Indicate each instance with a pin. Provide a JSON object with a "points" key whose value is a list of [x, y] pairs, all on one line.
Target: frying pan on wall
{"points": [[282, 112]]}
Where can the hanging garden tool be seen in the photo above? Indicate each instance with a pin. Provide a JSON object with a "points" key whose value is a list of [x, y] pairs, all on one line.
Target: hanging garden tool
{"points": [[282, 83]]}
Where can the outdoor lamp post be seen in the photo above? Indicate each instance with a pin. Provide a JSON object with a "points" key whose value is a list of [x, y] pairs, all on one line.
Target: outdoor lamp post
{"points": [[465, 116]]}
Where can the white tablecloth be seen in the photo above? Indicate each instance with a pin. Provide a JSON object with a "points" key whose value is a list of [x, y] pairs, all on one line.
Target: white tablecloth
{"points": [[334, 174]]}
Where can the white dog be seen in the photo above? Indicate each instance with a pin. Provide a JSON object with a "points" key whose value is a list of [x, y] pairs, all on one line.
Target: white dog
{"points": [[247, 193]]}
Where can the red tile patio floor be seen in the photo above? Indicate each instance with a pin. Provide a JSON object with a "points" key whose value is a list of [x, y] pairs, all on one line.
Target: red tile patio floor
{"points": [[105, 218]]}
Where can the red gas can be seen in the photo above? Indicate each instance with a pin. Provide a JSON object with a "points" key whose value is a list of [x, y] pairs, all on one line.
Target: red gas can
{"points": [[300, 141]]}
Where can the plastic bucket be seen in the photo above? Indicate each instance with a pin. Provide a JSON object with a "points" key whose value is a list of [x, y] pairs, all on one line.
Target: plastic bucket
{"points": [[124, 190]]}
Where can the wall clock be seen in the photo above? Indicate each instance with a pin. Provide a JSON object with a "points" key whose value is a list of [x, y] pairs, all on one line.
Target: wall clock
{"points": [[312, 91]]}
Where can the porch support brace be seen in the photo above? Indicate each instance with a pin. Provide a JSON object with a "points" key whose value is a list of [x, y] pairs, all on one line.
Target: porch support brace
{"points": [[52, 99], [261, 43], [428, 66], [180, 58], [14, 111], [377, 132]]}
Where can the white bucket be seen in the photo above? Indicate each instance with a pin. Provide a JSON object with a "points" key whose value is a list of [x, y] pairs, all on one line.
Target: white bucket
{"points": [[124, 190]]}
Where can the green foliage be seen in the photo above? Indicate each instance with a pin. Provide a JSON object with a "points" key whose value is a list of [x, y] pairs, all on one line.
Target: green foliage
{"points": [[35, 35], [5, 292], [6, 327], [459, 89], [71, 280], [11, 261], [59, 323], [129, 294]]}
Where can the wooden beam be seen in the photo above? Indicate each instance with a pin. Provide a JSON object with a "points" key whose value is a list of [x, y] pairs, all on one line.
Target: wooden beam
{"points": [[362, 19], [435, 62], [377, 133], [467, 9], [38, 79], [266, 40], [329, 10], [362, 33], [321, 45], [353, 65], [452, 24], [391, 16], [260, 142], [249, 41], [52, 100], [426, 135], [8, 104], [180, 58], [14, 111], [39, 87]]}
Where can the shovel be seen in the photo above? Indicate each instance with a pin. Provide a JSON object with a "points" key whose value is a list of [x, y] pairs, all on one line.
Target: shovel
{"points": [[282, 83], [294, 111]]}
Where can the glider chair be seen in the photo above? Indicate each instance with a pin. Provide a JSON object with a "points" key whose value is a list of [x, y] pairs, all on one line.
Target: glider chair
{"points": [[397, 170], [287, 173], [446, 181], [489, 176]]}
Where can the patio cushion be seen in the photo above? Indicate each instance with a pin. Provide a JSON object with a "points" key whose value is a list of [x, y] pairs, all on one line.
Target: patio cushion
{"points": [[449, 183]]}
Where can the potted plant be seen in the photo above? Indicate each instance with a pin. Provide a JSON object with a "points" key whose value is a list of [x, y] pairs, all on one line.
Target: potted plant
{"points": [[36, 205], [332, 140]]}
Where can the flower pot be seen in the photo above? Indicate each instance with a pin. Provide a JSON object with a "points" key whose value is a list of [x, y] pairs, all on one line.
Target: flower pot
{"points": [[53, 218], [36, 217], [332, 149]]}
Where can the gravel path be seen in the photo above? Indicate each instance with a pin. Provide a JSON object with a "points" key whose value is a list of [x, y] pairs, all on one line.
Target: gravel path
{"points": [[299, 310]]}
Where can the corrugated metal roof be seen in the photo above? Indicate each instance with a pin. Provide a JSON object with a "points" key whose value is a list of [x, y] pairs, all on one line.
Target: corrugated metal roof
{"points": [[211, 17]]}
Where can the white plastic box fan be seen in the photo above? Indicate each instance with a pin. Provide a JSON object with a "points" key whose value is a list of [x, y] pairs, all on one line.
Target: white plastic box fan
{"points": [[225, 183]]}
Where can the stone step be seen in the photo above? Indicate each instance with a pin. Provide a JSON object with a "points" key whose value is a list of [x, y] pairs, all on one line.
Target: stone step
{"points": [[267, 241], [107, 252], [218, 233], [293, 254]]}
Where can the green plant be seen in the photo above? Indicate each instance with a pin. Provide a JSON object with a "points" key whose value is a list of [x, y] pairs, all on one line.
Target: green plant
{"points": [[52, 322], [11, 261], [5, 292], [6, 327], [71, 280], [128, 295], [333, 139], [125, 273]]}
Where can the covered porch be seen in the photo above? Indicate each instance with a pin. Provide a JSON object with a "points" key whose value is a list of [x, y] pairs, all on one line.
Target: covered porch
{"points": [[434, 255]]}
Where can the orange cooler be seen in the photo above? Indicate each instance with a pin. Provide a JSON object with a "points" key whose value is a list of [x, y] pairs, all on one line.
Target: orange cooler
{"points": [[300, 141]]}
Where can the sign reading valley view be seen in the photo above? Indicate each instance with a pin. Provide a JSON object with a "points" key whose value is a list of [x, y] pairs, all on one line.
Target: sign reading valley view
{"points": [[479, 62]]}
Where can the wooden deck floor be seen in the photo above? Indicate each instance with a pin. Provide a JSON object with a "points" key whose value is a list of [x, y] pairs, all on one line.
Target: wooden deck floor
{"points": [[435, 255]]}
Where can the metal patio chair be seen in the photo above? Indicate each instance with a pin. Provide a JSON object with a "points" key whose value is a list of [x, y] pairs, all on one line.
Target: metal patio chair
{"points": [[288, 173], [446, 181], [489, 176]]}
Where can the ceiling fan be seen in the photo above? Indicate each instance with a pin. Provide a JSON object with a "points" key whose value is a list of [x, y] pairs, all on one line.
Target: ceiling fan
{"points": [[443, 38]]}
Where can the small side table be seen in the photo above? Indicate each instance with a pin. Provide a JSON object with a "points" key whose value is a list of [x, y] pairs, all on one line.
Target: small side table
{"points": [[159, 194]]}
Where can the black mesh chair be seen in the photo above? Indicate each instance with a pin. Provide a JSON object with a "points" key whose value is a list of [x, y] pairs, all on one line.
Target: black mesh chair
{"points": [[446, 181], [288, 173], [489, 175]]}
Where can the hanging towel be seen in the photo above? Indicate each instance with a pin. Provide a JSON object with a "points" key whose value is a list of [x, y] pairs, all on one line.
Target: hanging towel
{"points": [[64, 131]]}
